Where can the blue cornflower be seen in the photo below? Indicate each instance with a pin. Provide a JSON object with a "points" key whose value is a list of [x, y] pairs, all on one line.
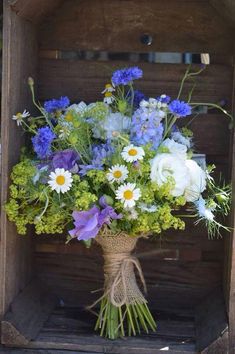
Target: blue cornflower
{"points": [[163, 99], [99, 154], [56, 104], [42, 142], [180, 108], [127, 75], [138, 97], [146, 127]]}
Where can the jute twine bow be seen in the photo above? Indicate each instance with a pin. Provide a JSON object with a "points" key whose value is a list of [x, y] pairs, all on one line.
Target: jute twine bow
{"points": [[120, 281]]}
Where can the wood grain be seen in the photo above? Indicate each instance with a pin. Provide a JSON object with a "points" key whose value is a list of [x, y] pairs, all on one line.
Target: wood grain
{"points": [[27, 314], [18, 46], [113, 27], [34, 11], [210, 319], [84, 80]]}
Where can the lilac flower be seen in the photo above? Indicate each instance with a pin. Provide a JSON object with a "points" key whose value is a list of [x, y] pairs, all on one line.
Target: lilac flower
{"points": [[99, 153], [163, 99], [66, 159], [180, 108], [88, 223], [56, 104], [138, 97], [146, 127], [42, 142], [126, 76]]}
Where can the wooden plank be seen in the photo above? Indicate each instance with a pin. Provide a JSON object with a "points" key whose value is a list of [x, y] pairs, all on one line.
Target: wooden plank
{"points": [[27, 313], [72, 328], [194, 28], [19, 44], [35, 10], [226, 9], [230, 255], [219, 346], [84, 80], [210, 319]]}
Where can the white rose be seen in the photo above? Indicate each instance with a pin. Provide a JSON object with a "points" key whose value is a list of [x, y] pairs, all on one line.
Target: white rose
{"points": [[197, 183], [164, 166], [175, 148]]}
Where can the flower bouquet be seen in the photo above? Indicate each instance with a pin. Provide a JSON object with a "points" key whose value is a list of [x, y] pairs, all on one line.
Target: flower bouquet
{"points": [[111, 172]]}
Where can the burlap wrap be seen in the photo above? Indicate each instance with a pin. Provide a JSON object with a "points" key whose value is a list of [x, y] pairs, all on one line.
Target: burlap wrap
{"points": [[120, 281]]}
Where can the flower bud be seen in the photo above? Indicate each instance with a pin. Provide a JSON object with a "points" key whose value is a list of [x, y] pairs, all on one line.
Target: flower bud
{"points": [[30, 81]]}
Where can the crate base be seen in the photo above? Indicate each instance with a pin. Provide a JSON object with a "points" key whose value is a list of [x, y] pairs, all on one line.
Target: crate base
{"points": [[72, 329]]}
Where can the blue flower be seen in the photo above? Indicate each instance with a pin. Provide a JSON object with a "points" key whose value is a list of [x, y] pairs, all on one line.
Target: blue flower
{"points": [[138, 97], [42, 142], [180, 108], [163, 99], [146, 127], [56, 105], [99, 154], [127, 75]]}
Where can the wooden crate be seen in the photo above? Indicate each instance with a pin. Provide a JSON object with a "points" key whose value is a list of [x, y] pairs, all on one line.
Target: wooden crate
{"points": [[44, 283]]}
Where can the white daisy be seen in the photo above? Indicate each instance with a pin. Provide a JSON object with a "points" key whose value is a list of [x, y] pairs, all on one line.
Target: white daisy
{"points": [[108, 88], [60, 180], [128, 194], [117, 173], [108, 98], [132, 153], [18, 117]]}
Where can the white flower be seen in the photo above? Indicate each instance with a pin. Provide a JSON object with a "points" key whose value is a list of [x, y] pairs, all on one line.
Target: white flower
{"points": [[203, 211], [133, 214], [108, 88], [60, 180], [113, 123], [165, 166], [18, 117], [197, 182], [117, 173], [175, 148], [149, 208], [78, 107], [179, 138], [108, 99], [132, 153], [128, 194]]}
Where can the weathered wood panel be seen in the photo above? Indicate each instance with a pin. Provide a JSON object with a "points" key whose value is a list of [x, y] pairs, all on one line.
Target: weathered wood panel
{"points": [[19, 61], [35, 10], [28, 312], [118, 26], [84, 80]]}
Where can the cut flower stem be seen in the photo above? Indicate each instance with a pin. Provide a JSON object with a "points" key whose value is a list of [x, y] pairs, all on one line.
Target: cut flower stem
{"points": [[126, 320]]}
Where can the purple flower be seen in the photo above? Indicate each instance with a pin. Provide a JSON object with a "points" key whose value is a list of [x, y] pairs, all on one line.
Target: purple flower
{"points": [[66, 159], [56, 104], [42, 142], [138, 97], [180, 108], [88, 223], [126, 76], [146, 127]]}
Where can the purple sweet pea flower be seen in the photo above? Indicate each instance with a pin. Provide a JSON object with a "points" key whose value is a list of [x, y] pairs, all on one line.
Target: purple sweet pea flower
{"points": [[66, 159], [88, 223]]}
